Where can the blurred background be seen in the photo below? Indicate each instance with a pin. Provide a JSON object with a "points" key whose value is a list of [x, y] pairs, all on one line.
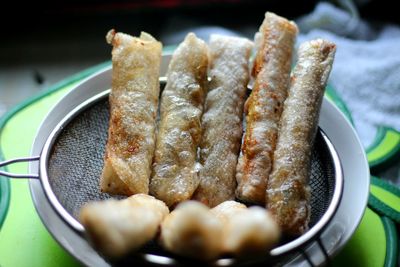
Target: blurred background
{"points": [[43, 43]]}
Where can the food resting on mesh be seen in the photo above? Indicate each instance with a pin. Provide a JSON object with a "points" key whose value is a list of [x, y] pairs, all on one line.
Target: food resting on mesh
{"points": [[197, 181]]}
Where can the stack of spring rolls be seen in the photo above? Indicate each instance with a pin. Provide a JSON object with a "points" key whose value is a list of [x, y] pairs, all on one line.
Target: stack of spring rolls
{"points": [[196, 161]]}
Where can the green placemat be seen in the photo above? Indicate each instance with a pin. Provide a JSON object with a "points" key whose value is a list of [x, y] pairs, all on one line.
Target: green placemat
{"points": [[384, 150], [385, 199], [24, 241], [367, 247]]}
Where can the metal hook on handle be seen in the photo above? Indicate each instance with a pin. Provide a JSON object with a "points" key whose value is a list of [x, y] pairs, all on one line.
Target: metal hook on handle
{"points": [[307, 258], [14, 175], [324, 251], [325, 254]]}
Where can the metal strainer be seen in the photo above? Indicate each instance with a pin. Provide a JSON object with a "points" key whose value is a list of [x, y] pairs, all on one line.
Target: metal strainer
{"points": [[72, 158]]}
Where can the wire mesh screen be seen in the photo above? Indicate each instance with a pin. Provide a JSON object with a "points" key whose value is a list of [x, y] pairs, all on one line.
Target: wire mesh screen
{"points": [[76, 162]]}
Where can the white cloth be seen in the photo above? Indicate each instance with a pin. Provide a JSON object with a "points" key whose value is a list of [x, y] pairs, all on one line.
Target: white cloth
{"points": [[366, 71]]}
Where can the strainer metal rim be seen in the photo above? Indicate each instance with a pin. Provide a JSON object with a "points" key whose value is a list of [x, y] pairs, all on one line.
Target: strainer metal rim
{"points": [[332, 121], [291, 246], [323, 222], [45, 155]]}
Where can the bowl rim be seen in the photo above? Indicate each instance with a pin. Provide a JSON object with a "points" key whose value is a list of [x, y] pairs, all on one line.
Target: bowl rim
{"points": [[289, 247], [101, 80]]}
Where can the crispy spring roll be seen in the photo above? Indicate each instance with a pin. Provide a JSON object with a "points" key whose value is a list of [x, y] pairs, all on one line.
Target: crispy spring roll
{"points": [[246, 231], [175, 170], [264, 107], [222, 118], [191, 230], [117, 227], [133, 107], [288, 193]]}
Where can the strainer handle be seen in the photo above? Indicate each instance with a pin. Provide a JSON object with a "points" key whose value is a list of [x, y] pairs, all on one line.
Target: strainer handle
{"points": [[15, 175]]}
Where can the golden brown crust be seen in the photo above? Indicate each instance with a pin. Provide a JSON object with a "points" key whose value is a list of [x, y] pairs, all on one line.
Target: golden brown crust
{"points": [[287, 193], [227, 209], [133, 107], [192, 230], [264, 106], [246, 231], [222, 118], [117, 227], [175, 170]]}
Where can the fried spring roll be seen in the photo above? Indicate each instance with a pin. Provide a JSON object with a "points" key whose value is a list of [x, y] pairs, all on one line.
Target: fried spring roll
{"points": [[288, 193], [222, 118], [191, 230], [264, 107], [133, 107], [117, 227], [175, 170], [246, 231]]}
